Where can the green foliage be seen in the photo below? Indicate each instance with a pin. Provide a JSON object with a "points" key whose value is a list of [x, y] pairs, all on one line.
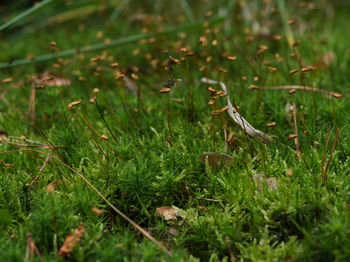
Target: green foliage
{"points": [[154, 160]]}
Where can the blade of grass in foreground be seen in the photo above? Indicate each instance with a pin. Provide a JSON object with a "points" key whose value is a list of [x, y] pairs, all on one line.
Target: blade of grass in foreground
{"points": [[25, 14], [112, 43], [284, 15]]}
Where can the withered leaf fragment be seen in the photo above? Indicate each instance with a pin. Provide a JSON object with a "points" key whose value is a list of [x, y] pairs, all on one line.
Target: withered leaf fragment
{"points": [[214, 159], [49, 78], [168, 212], [260, 177], [71, 240]]}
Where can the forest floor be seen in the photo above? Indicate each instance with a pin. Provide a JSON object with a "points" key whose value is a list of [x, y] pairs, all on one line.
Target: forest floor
{"points": [[113, 146]]}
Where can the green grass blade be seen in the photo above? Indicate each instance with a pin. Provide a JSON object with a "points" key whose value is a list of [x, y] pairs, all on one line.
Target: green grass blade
{"points": [[25, 14], [284, 15], [113, 43], [188, 10]]}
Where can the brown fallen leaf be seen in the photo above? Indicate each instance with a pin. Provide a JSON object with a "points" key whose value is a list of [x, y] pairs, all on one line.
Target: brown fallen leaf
{"points": [[49, 78], [260, 177], [71, 240], [214, 159], [168, 212]]}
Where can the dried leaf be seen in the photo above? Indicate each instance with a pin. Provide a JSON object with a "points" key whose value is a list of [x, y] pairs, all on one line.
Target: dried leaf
{"points": [[260, 177], [272, 182], [168, 212], [248, 128], [49, 78], [71, 240], [214, 159]]}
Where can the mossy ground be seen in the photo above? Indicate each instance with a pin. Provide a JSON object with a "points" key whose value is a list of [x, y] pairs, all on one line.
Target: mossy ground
{"points": [[306, 218]]}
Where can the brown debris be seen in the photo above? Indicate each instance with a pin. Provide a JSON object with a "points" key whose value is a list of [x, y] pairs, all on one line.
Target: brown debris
{"points": [[74, 103], [164, 90], [49, 78], [71, 240], [214, 159], [167, 212], [260, 177]]}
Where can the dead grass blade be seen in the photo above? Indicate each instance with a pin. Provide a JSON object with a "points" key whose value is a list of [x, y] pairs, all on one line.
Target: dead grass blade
{"points": [[234, 114]]}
